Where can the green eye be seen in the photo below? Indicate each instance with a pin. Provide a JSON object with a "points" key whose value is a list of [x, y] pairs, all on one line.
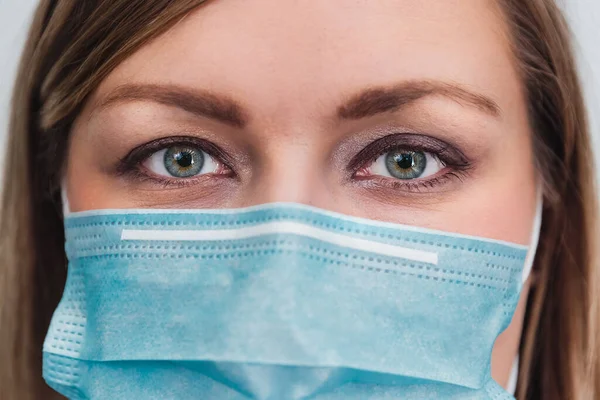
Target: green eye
{"points": [[183, 162], [404, 164]]}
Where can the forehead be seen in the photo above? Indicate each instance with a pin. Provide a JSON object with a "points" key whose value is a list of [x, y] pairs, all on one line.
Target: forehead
{"points": [[276, 54]]}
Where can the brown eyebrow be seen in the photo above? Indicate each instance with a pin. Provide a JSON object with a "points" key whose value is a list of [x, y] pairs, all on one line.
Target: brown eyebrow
{"points": [[367, 103], [382, 99], [197, 102]]}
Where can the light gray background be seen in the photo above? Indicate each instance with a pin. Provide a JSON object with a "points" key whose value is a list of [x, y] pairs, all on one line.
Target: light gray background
{"points": [[584, 16]]}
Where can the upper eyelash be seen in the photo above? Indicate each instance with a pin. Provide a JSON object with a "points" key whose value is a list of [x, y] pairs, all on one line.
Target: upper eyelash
{"points": [[447, 154], [138, 155]]}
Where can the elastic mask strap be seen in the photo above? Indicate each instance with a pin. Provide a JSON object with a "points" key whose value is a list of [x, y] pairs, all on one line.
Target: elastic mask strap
{"points": [[533, 244], [535, 234], [514, 375], [65, 201]]}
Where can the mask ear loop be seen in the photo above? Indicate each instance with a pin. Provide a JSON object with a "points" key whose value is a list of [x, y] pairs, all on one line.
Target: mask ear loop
{"points": [[527, 267], [66, 210], [65, 201], [535, 234], [514, 376]]}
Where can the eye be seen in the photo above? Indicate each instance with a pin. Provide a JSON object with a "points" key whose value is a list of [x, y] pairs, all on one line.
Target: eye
{"points": [[405, 165], [181, 162]]}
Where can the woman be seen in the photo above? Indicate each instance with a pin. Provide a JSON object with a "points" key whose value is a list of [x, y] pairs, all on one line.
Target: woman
{"points": [[463, 119]]}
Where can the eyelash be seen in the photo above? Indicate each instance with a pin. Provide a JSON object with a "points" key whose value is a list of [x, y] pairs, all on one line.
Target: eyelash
{"points": [[131, 164], [456, 164], [417, 185]]}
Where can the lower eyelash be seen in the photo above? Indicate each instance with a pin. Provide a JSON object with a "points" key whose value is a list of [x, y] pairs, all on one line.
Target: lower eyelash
{"points": [[166, 183], [416, 185]]}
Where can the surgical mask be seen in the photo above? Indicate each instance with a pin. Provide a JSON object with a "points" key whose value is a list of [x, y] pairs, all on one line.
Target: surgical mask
{"points": [[279, 301]]}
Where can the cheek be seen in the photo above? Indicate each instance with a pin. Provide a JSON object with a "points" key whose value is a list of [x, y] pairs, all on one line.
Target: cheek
{"points": [[499, 200], [503, 205], [502, 208], [86, 185], [87, 190]]}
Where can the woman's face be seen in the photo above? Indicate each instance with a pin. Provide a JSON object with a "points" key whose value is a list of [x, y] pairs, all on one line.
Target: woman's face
{"points": [[408, 111]]}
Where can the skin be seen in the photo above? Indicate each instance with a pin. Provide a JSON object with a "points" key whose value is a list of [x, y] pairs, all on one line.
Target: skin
{"points": [[291, 65]]}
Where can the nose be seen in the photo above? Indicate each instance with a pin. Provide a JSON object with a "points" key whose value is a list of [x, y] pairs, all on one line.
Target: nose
{"points": [[293, 171]]}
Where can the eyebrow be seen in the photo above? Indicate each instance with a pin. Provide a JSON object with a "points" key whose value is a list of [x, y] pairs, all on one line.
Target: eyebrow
{"points": [[199, 102], [383, 99], [364, 104]]}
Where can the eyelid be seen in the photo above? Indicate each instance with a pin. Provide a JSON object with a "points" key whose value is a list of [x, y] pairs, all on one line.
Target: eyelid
{"points": [[447, 153], [139, 154]]}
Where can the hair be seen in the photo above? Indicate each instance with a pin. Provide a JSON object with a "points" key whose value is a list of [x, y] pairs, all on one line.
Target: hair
{"points": [[73, 45]]}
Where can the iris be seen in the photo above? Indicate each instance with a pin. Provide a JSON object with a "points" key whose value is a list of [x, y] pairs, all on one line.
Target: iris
{"points": [[404, 164], [183, 162]]}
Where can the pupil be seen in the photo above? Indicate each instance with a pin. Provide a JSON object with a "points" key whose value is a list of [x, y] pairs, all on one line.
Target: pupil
{"points": [[184, 159], [405, 161]]}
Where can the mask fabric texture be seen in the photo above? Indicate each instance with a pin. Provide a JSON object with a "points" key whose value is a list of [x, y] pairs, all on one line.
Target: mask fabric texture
{"points": [[280, 301]]}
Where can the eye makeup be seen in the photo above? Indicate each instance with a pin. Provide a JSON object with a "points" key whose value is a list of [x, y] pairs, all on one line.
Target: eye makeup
{"points": [[447, 153], [132, 165], [455, 164]]}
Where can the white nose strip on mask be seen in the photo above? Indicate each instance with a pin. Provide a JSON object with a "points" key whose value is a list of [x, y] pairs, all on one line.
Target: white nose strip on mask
{"points": [[533, 243]]}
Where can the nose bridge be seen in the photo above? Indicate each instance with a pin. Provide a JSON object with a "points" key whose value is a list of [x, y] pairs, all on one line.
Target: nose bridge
{"points": [[292, 168]]}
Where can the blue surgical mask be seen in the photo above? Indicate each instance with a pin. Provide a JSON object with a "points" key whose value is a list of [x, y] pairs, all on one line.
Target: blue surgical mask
{"points": [[280, 301]]}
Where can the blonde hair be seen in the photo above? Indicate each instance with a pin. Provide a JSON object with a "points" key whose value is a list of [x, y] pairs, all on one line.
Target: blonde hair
{"points": [[73, 45]]}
